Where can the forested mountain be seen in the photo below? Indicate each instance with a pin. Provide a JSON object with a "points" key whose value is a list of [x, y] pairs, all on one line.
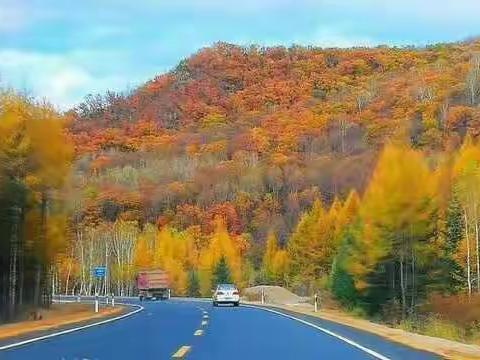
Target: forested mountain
{"points": [[351, 170], [238, 142], [257, 134]]}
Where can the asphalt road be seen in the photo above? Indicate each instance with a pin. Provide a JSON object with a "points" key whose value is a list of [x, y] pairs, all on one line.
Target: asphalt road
{"points": [[164, 327]]}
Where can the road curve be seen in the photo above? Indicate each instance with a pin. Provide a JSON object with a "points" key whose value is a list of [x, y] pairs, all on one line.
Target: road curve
{"points": [[164, 327]]}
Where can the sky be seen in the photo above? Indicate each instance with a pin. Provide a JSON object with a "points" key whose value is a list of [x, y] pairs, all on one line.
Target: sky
{"points": [[63, 50]]}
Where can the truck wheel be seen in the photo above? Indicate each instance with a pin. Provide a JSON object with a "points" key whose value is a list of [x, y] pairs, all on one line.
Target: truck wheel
{"points": [[236, 303]]}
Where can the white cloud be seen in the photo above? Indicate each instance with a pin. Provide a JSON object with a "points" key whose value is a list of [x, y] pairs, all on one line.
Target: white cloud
{"points": [[61, 79], [17, 15]]}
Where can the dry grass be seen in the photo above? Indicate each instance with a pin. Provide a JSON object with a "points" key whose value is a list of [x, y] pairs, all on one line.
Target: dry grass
{"points": [[459, 309], [435, 326], [455, 317], [58, 315]]}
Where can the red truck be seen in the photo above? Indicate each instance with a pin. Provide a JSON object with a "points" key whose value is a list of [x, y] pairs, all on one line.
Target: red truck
{"points": [[153, 284]]}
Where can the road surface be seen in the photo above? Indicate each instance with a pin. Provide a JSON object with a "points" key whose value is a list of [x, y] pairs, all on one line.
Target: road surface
{"points": [[165, 328]]}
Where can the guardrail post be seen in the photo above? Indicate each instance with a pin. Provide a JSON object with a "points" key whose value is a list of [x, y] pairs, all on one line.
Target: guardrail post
{"points": [[96, 302], [78, 298], [113, 300], [263, 296], [107, 299], [316, 302]]}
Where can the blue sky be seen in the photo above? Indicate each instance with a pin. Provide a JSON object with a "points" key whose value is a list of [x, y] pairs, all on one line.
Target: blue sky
{"points": [[65, 49]]}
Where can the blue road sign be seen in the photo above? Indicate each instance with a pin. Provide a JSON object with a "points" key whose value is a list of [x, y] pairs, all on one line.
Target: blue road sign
{"points": [[99, 271]]}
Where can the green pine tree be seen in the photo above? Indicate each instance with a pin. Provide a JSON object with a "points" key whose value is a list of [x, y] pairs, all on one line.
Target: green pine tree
{"points": [[455, 226], [455, 229], [193, 285], [341, 282], [221, 273]]}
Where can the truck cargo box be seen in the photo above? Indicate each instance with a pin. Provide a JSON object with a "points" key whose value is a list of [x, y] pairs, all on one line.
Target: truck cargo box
{"points": [[153, 284]]}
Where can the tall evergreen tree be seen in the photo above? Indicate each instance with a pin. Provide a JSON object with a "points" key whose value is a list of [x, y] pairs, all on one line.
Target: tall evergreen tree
{"points": [[455, 226], [221, 273], [341, 282], [193, 285], [454, 232]]}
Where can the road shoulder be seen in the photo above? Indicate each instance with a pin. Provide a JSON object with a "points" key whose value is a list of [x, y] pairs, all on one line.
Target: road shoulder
{"points": [[29, 331]]}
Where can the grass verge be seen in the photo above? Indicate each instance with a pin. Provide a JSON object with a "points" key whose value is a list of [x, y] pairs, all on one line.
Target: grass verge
{"points": [[57, 316]]}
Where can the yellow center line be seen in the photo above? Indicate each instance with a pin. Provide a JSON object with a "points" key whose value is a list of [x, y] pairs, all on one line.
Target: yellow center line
{"points": [[204, 323], [198, 333], [180, 354], [205, 312], [205, 316]]}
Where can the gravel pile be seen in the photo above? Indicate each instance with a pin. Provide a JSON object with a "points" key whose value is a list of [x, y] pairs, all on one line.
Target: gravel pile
{"points": [[273, 295]]}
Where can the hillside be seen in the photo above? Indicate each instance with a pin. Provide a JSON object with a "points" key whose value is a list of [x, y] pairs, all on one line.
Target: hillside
{"points": [[354, 171], [256, 134]]}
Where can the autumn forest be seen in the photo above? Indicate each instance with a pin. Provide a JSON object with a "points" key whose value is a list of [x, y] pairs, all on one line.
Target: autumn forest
{"points": [[350, 172]]}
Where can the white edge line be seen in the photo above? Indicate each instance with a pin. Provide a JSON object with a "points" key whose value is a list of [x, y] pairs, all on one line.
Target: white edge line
{"points": [[28, 341], [326, 331]]}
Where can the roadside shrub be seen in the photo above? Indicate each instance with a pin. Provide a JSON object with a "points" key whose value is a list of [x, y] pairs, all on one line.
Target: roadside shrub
{"points": [[435, 326]]}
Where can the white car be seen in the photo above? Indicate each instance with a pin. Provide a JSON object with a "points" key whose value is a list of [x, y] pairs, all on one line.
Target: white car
{"points": [[226, 294]]}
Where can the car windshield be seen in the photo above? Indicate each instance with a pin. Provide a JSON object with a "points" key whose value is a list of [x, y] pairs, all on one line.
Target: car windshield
{"points": [[225, 287]]}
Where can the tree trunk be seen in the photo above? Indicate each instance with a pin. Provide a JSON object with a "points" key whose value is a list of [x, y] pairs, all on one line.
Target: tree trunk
{"points": [[90, 265], [393, 279], [477, 255], [476, 242], [53, 284], [469, 280], [402, 286], [41, 243], [67, 280], [105, 279], [82, 261], [13, 263], [21, 280], [21, 262], [412, 305]]}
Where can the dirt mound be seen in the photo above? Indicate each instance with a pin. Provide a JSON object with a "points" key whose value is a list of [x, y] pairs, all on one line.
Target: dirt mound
{"points": [[273, 295]]}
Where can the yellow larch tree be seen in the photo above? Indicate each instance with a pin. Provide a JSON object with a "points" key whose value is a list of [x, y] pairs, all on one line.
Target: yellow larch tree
{"points": [[221, 244], [169, 255], [396, 216]]}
